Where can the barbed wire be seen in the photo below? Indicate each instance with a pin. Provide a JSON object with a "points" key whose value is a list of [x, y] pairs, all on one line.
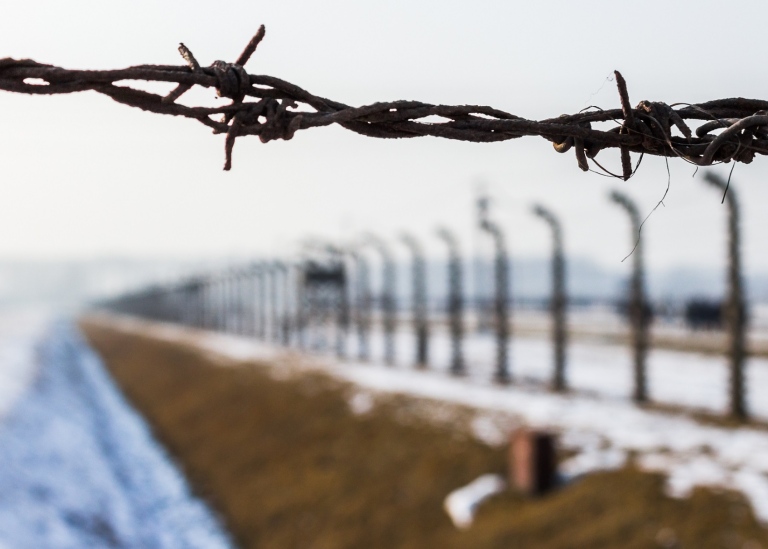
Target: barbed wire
{"points": [[281, 109]]}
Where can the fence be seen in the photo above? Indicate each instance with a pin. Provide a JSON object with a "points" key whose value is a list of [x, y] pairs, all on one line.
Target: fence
{"points": [[323, 300], [282, 108]]}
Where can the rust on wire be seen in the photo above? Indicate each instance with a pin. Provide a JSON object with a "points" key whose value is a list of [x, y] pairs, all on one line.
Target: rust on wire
{"points": [[279, 109]]}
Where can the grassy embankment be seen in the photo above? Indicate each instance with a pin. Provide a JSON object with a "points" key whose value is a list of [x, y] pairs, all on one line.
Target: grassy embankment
{"points": [[287, 464]]}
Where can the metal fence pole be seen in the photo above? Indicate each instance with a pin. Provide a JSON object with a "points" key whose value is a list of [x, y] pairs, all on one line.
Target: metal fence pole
{"points": [[558, 300], [388, 300], [274, 273], [420, 309], [501, 311], [362, 305], [342, 314], [287, 304], [735, 310], [455, 301], [261, 277], [279, 302], [638, 306]]}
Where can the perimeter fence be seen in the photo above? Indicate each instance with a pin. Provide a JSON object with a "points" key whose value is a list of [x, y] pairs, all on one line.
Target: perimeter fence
{"points": [[323, 301]]}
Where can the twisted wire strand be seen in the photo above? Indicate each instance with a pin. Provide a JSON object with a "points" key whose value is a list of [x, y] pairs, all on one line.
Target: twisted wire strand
{"points": [[278, 109]]}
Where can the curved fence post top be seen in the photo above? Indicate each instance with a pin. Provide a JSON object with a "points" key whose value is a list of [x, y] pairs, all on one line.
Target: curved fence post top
{"points": [[491, 227], [626, 202], [375, 241], [720, 182], [279, 265], [412, 244], [715, 179], [546, 214], [447, 236], [623, 200]]}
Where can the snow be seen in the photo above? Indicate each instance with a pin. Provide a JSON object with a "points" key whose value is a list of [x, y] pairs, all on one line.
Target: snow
{"points": [[597, 421], [486, 430], [678, 378], [80, 467], [462, 503], [18, 333], [592, 459], [361, 403]]}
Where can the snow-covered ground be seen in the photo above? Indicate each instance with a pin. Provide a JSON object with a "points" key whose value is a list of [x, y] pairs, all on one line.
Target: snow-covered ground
{"points": [[677, 378], [602, 425], [18, 334], [78, 466]]}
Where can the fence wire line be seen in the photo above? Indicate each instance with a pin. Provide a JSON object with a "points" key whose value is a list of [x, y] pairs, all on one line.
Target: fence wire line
{"points": [[280, 109]]}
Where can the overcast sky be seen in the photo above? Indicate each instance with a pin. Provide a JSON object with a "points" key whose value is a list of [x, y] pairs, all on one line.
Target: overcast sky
{"points": [[84, 176]]}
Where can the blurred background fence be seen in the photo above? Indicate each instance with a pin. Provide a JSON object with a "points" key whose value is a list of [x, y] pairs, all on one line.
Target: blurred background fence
{"points": [[324, 300]]}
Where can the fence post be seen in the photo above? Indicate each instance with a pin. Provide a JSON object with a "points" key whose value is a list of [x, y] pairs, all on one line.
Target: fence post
{"points": [[455, 301], [301, 320], [420, 308], [388, 303], [342, 315], [638, 306], [197, 303], [223, 305], [274, 323], [558, 301], [238, 294], [261, 276], [205, 302], [362, 305], [735, 313], [249, 299], [501, 311], [280, 314], [223, 302]]}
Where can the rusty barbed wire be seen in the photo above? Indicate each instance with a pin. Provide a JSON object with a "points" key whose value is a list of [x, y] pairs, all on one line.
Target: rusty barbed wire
{"points": [[282, 109]]}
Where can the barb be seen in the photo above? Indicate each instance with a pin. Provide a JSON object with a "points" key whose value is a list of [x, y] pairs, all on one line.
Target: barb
{"points": [[279, 109]]}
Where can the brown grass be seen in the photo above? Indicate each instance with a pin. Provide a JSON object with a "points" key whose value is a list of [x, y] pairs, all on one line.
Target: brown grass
{"points": [[288, 465]]}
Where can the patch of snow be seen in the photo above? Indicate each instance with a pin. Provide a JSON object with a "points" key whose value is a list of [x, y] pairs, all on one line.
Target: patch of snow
{"points": [[80, 467], [18, 333], [686, 474], [461, 504], [592, 459], [754, 485], [486, 430], [361, 403]]}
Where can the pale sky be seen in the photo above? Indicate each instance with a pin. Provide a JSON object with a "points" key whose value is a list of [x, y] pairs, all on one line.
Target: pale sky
{"points": [[84, 176]]}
